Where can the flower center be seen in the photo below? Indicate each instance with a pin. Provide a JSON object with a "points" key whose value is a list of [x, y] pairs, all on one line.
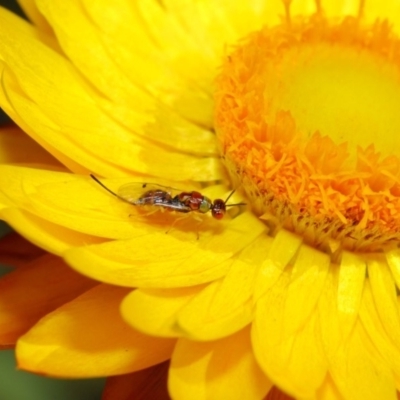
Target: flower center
{"points": [[307, 119]]}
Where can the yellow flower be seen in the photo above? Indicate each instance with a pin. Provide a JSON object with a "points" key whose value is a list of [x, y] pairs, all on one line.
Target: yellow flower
{"points": [[297, 101]]}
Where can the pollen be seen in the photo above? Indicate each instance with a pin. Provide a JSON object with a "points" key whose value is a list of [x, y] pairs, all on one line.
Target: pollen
{"points": [[308, 125]]}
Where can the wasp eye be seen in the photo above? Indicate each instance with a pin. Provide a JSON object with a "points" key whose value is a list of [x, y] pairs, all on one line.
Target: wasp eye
{"points": [[218, 214], [218, 210]]}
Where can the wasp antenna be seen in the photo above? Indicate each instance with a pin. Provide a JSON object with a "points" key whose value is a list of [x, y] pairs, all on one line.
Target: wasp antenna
{"points": [[104, 186], [230, 195], [236, 204]]}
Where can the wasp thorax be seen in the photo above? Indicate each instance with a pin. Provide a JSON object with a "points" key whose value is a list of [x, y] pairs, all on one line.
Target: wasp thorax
{"points": [[205, 205]]}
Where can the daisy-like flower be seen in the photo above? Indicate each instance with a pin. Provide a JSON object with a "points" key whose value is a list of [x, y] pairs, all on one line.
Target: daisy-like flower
{"points": [[292, 103]]}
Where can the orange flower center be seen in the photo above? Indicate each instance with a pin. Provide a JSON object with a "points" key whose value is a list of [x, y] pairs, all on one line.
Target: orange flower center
{"points": [[307, 120]]}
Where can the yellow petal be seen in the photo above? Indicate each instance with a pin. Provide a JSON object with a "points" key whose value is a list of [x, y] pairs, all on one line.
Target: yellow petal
{"points": [[385, 296], [87, 338], [67, 200], [223, 305], [115, 51], [116, 45], [50, 237], [393, 260], [223, 369], [33, 121], [154, 311], [375, 330], [330, 320], [358, 371], [34, 290], [280, 351], [161, 260], [150, 383], [51, 98], [227, 23], [282, 250]]}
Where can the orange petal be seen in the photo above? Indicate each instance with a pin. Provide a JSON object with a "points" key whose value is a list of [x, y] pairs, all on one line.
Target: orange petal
{"points": [[34, 290], [16, 251], [222, 369], [16, 147], [87, 338], [276, 394], [34, 15], [149, 383]]}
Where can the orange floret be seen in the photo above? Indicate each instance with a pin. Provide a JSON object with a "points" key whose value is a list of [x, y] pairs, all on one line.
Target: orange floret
{"points": [[297, 107]]}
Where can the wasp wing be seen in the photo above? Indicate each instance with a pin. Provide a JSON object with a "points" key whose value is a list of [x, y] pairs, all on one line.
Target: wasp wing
{"points": [[141, 193]]}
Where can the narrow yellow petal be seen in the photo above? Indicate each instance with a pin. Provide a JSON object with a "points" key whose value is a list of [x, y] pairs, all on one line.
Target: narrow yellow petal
{"points": [[307, 282], [358, 370], [280, 352], [393, 260], [282, 250], [352, 273], [329, 317], [374, 328], [223, 369], [154, 311], [87, 338], [385, 296]]}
